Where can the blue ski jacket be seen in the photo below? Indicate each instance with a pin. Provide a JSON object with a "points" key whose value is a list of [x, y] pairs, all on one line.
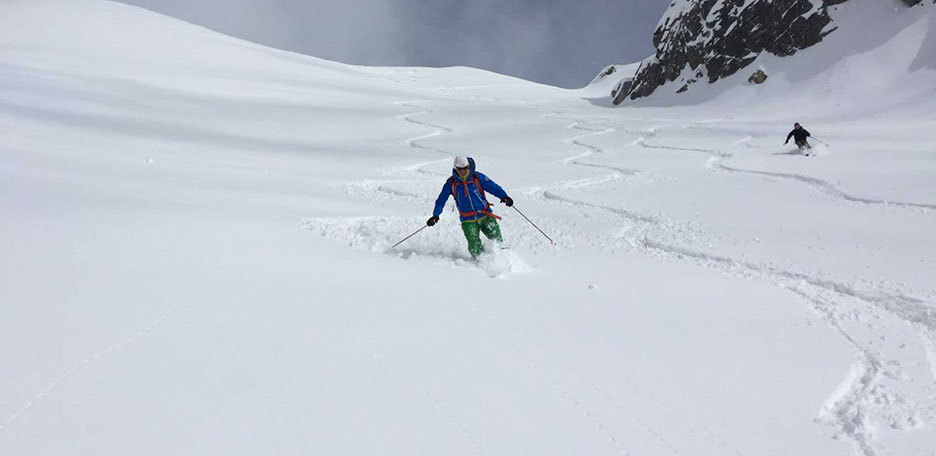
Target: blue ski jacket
{"points": [[469, 194]]}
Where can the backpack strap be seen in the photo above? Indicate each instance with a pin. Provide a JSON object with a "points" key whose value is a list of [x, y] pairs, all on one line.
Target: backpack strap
{"points": [[485, 212], [477, 182]]}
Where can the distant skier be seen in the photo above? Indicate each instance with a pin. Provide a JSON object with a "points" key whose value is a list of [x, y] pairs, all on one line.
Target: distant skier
{"points": [[468, 187], [799, 135]]}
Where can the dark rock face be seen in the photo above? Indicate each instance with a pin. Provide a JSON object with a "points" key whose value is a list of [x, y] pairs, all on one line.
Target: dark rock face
{"points": [[717, 38], [621, 90]]}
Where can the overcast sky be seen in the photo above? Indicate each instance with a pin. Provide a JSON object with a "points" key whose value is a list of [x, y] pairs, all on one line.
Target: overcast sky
{"points": [[558, 42]]}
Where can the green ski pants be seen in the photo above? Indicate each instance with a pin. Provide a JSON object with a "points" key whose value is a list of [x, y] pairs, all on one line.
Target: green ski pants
{"points": [[488, 225]]}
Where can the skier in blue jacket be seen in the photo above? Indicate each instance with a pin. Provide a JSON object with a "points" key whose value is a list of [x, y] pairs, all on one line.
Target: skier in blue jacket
{"points": [[468, 187]]}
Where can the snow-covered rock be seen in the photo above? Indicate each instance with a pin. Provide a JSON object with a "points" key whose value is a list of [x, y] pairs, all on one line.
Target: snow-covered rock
{"points": [[710, 40], [759, 77]]}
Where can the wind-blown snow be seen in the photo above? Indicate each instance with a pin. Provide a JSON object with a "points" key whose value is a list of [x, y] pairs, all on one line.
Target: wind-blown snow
{"points": [[196, 254]]}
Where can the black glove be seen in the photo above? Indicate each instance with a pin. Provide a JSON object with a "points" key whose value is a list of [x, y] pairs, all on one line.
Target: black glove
{"points": [[507, 200], [432, 220]]}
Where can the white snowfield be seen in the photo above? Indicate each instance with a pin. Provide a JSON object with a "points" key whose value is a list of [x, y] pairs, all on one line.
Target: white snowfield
{"points": [[195, 233]]}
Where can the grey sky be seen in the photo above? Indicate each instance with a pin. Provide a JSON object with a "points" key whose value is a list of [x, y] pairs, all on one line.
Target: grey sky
{"points": [[558, 42]]}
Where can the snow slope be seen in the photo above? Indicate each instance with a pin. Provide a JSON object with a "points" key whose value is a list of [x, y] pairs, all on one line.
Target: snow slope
{"points": [[195, 255]]}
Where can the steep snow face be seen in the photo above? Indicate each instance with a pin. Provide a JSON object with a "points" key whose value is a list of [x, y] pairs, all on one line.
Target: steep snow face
{"points": [[196, 232], [709, 40]]}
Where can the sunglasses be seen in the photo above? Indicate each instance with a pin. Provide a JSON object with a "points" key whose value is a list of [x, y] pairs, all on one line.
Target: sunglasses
{"points": [[462, 169]]}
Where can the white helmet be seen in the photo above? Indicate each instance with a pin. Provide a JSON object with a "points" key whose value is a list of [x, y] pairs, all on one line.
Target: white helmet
{"points": [[460, 162]]}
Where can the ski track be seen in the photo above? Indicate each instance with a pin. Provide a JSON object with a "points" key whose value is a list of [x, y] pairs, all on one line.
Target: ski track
{"points": [[420, 168], [576, 141], [548, 195], [713, 152], [496, 265], [439, 129], [621, 171], [846, 407], [822, 185], [564, 392], [849, 407], [382, 186], [552, 196], [718, 156], [402, 193], [578, 183], [908, 308], [850, 413], [827, 188], [852, 407], [387, 186]]}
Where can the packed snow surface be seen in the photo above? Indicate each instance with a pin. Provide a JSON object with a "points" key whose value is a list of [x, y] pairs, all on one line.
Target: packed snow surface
{"points": [[195, 252]]}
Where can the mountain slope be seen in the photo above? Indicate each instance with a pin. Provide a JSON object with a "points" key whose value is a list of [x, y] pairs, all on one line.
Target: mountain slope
{"points": [[196, 258], [711, 40]]}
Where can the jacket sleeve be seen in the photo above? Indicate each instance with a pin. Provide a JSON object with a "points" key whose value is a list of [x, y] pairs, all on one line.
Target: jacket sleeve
{"points": [[807, 132], [790, 135], [443, 197], [491, 187]]}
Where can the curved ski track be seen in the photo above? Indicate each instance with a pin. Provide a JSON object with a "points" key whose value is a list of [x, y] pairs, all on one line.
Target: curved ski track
{"points": [[507, 333], [848, 412], [823, 186]]}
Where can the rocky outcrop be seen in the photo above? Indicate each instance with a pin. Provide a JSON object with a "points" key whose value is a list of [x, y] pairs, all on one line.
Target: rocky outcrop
{"points": [[759, 77], [712, 39], [621, 90]]}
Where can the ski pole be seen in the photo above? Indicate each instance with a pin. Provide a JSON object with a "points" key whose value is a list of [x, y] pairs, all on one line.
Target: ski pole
{"points": [[534, 225], [820, 141], [407, 237]]}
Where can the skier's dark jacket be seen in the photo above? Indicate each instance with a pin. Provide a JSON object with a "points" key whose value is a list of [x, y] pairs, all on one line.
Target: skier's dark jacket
{"points": [[798, 134], [469, 199]]}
